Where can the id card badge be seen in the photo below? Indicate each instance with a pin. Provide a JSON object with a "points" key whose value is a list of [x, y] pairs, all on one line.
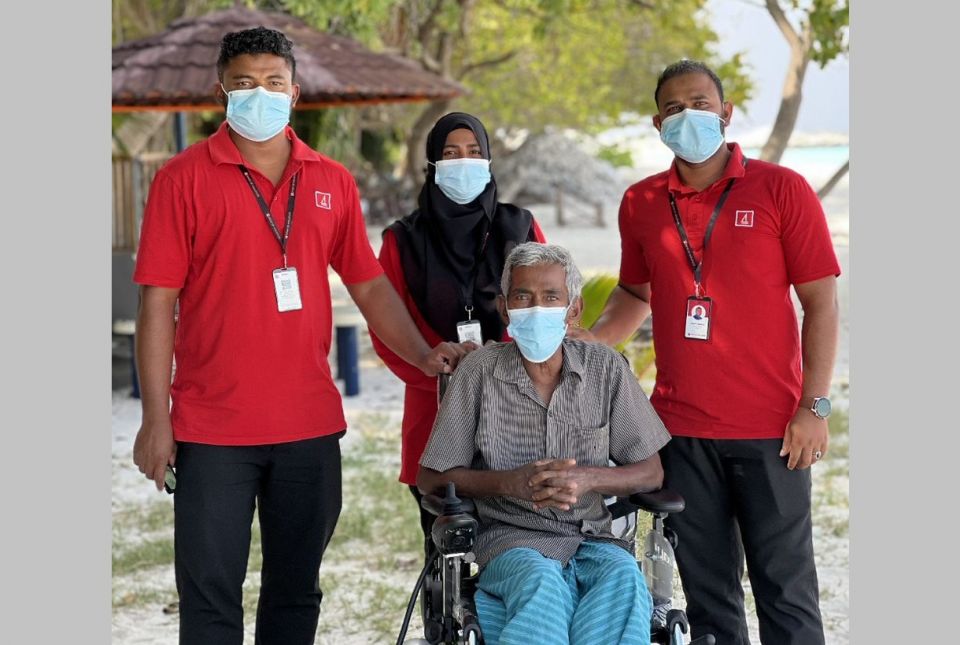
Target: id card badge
{"points": [[699, 314], [469, 330], [288, 289]]}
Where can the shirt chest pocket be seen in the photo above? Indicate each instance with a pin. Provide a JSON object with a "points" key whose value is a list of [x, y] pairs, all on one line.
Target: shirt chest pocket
{"points": [[756, 253], [588, 443]]}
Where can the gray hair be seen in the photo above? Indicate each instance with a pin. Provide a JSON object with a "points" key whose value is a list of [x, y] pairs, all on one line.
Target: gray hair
{"points": [[532, 254]]}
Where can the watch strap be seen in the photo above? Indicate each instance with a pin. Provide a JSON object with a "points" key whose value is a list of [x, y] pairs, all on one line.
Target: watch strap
{"points": [[807, 401]]}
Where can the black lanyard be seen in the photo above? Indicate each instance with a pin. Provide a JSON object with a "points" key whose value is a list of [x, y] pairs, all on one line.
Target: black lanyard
{"points": [[466, 291], [291, 198], [691, 258]]}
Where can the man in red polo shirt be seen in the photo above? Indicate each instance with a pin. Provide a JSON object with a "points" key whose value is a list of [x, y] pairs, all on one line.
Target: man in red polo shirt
{"points": [[239, 232], [711, 248]]}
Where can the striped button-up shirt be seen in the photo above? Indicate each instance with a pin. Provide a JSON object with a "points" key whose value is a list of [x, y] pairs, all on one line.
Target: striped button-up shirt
{"points": [[492, 418]]}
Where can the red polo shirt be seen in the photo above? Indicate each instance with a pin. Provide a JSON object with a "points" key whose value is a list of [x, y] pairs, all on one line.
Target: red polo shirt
{"points": [[744, 382], [247, 373]]}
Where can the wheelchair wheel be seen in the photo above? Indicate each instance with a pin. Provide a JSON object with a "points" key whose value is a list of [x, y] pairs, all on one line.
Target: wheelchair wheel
{"points": [[676, 638], [471, 635], [677, 626]]}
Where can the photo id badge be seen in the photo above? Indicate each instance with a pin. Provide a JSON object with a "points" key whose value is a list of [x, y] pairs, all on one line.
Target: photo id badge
{"points": [[469, 330], [288, 289], [699, 313]]}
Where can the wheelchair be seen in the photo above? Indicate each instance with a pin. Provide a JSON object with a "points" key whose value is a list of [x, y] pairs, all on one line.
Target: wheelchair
{"points": [[448, 584]]}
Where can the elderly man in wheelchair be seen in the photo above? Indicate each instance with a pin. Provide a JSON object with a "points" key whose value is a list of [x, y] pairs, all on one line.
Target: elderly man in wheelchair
{"points": [[528, 429]]}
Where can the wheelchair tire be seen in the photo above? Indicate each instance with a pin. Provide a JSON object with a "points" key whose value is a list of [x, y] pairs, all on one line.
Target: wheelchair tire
{"points": [[676, 637], [677, 626], [472, 635], [671, 536]]}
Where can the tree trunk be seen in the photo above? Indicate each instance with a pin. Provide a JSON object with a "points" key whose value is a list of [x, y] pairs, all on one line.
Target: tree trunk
{"points": [[837, 176], [417, 141], [789, 106]]}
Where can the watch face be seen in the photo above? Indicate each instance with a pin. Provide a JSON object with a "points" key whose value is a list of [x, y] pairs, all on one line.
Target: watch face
{"points": [[822, 407]]}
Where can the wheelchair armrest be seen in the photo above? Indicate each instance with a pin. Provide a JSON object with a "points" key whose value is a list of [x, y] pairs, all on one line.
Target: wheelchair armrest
{"points": [[433, 504], [659, 501]]}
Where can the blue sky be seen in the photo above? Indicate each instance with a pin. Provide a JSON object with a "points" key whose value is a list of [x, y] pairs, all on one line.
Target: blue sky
{"points": [[745, 25]]}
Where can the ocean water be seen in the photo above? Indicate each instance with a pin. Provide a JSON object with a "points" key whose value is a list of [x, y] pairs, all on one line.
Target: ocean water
{"points": [[817, 163], [813, 162]]}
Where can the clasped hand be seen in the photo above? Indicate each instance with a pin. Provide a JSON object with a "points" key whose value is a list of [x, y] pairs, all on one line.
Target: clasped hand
{"points": [[550, 483]]}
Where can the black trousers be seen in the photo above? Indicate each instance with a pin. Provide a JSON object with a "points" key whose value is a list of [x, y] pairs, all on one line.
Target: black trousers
{"points": [[426, 523], [742, 501], [296, 489]]}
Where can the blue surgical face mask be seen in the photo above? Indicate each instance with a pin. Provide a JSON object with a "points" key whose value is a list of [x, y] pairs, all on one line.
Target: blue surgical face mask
{"points": [[538, 331], [462, 180], [693, 135], [257, 114]]}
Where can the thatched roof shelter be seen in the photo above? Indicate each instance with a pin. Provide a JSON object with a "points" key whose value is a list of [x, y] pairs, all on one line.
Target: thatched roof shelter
{"points": [[175, 69]]}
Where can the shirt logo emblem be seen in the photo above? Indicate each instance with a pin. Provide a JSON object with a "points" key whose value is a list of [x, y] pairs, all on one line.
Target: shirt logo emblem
{"points": [[323, 200], [744, 218]]}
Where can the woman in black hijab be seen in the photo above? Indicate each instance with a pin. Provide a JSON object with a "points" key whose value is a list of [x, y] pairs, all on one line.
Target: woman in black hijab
{"points": [[445, 260]]}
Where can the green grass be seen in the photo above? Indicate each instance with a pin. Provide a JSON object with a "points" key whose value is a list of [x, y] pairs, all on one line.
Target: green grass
{"points": [[375, 504], [839, 435], [144, 598], [251, 586], [840, 528], [144, 555], [142, 538], [142, 543], [831, 495], [378, 537]]}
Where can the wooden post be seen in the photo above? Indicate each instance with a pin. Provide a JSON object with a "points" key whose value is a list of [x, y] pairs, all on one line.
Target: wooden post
{"points": [[136, 185], [560, 220], [180, 130], [599, 221]]}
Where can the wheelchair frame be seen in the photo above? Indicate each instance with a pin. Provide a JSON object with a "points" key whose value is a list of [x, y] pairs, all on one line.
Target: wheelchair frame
{"points": [[447, 608], [449, 615]]}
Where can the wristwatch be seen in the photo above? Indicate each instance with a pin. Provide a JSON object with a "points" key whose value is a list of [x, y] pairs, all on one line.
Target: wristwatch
{"points": [[819, 405]]}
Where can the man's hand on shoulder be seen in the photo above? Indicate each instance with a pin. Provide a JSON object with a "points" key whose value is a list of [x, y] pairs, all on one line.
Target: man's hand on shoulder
{"points": [[154, 448], [443, 358], [579, 333]]}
